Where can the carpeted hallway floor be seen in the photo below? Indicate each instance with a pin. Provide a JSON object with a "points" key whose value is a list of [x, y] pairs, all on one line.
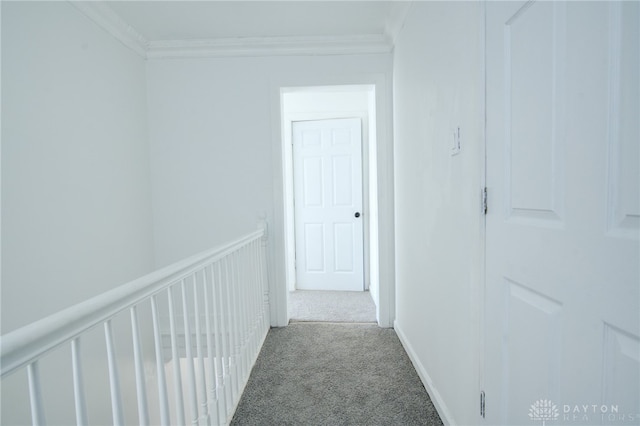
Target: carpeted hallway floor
{"points": [[333, 306], [334, 374]]}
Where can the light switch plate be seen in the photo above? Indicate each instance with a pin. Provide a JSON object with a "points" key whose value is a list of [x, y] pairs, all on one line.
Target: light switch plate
{"points": [[455, 149]]}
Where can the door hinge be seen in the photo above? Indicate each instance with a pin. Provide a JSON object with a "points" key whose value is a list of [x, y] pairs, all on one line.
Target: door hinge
{"points": [[482, 404], [484, 200]]}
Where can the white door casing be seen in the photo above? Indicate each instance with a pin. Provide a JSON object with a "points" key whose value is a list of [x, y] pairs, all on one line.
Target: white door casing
{"points": [[327, 169], [562, 321]]}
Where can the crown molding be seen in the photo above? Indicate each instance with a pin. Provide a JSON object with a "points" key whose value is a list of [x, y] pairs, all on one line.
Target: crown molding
{"points": [[105, 17], [100, 13], [269, 46]]}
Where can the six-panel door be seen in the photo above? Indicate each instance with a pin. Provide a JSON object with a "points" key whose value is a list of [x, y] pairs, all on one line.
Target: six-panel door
{"points": [[327, 163], [562, 308]]}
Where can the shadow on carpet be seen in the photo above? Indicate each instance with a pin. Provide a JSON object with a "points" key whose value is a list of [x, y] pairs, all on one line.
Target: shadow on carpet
{"points": [[334, 374]]}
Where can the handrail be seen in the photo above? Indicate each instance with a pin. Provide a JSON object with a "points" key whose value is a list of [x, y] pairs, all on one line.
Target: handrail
{"points": [[223, 298], [24, 345]]}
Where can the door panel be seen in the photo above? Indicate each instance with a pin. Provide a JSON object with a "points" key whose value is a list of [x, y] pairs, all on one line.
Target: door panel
{"points": [[343, 251], [314, 247], [562, 240], [342, 194], [623, 206], [533, 61], [313, 180], [328, 192]]}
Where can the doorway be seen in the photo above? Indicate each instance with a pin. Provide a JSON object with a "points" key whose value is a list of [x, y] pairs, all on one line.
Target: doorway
{"points": [[308, 110]]}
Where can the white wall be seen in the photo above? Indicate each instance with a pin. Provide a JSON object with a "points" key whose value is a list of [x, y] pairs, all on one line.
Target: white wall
{"points": [[76, 205], [216, 147], [211, 144], [437, 87], [210, 152]]}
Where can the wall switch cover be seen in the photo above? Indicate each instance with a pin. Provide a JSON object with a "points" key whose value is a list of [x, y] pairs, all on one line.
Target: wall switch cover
{"points": [[456, 141]]}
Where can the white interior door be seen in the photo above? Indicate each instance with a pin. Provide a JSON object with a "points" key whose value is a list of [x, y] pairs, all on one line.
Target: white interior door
{"points": [[562, 295], [327, 168]]}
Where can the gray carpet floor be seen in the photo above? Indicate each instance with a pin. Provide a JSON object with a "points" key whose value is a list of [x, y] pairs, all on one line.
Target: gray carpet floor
{"points": [[334, 374], [333, 306]]}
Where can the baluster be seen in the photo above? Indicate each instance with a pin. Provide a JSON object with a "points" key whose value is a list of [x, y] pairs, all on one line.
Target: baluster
{"points": [[175, 359], [114, 380], [256, 293], [162, 380], [259, 290], [141, 389], [249, 301], [239, 313], [78, 385], [256, 298], [218, 299], [191, 372], [35, 394], [247, 310], [201, 371], [234, 330], [255, 306], [214, 384], [264, 281], [228, 331], [219, 341]]}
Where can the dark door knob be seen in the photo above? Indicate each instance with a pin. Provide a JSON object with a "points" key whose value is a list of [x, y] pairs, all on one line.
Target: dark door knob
{"points": [[357, 214]]}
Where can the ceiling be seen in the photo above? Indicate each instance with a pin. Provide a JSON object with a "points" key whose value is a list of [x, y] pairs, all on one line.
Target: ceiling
{"points": [[212, 28], [208, 20]]}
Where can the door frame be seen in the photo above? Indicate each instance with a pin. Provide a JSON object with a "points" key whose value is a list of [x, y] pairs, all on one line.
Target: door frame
{"points": [[482, 249], [288, 121], [384, 255]]}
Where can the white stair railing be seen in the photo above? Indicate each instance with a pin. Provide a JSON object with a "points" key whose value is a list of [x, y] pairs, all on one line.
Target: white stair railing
{"points": [[205, 319]]}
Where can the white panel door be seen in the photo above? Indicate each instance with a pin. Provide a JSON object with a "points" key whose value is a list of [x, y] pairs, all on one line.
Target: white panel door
{"points": [[327, 164], [562, 321]]}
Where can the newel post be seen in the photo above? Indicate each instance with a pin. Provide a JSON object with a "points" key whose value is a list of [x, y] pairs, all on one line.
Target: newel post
{"points": [[264, 226]]}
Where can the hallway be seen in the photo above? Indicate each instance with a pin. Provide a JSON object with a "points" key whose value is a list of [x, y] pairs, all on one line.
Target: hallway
{"points": [[334, 374], [500, 206]]}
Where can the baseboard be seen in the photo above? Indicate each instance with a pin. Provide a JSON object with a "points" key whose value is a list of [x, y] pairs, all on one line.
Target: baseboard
{"points": [[435, 396]]}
